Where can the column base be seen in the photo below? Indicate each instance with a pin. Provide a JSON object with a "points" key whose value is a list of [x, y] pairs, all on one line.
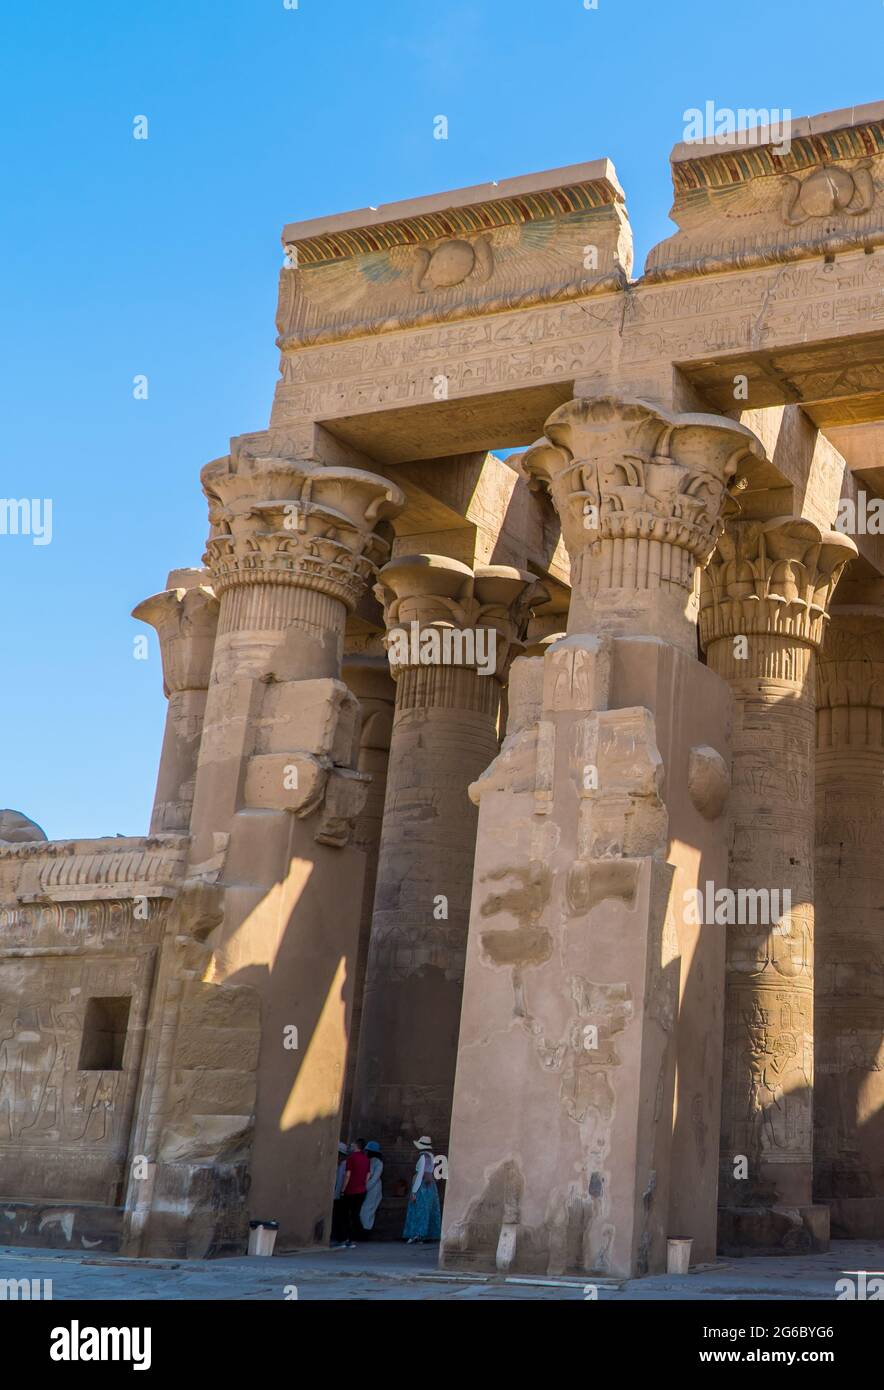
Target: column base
{"points": [[773, 1230]]}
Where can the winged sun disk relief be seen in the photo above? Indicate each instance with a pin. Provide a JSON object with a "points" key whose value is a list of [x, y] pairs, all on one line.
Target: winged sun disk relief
{"points": [[451, 263], [826, 191], [522, 253]]}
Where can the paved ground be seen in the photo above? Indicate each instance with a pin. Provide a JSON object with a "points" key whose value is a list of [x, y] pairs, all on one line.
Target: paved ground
{"points": [[400, 1272]]}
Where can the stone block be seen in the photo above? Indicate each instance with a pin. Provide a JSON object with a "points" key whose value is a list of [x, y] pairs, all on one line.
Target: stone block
{"points": [[773, 1230]]}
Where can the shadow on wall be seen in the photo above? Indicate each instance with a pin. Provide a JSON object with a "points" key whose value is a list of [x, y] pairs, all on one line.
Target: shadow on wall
{"points": [[306, 1004], [849, 1152]]}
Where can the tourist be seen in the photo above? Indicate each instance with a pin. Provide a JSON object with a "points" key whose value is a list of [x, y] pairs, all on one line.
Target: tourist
{"points": [[424, 1218], [337, 1227], [373, 1191], [353, 1192]]}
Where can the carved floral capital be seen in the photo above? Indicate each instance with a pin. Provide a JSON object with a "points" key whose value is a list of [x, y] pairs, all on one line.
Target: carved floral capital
{"points": [[434, 592], [773, 578], [850, 670], [291, 521], [186, 621], [626, 471]]}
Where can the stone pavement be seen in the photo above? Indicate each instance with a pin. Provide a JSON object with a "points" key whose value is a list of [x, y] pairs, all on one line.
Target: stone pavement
{"points": [[399, 1272]]}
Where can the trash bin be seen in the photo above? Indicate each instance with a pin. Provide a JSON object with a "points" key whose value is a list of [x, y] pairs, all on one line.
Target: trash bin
{"points": [[678, 1256], [262, 1237]]}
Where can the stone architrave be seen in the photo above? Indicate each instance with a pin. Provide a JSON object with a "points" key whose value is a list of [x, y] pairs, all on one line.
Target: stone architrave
{"points": [[849, 976], [764, 606], [292, 547], [451, 634], [531, 241], [185, 617], [573, 1142]]}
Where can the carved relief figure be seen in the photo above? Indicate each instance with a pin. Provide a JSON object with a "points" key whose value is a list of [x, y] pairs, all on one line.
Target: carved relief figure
{"points": [[26, 1057], [827, 191], [452, 263], [779, 1086], [43, 1095]]}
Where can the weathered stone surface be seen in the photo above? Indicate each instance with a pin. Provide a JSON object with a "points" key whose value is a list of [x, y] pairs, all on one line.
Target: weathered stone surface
{"points": [[640, 494], [421, 252], [444, 733], [570, 997], [774, 196], [340, 843], [186, 619], [764, 605], [292, 546], [849, 996]]}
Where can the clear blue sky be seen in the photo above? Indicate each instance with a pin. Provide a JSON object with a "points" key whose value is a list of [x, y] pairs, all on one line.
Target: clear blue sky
{"points": [[120, 257]]}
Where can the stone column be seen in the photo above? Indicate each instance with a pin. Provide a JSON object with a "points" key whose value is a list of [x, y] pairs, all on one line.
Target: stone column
{"points": [[185, 617], [577, 1143], [291, 548], [450, 635], [368, 677], [763, 609], [849, 986]]}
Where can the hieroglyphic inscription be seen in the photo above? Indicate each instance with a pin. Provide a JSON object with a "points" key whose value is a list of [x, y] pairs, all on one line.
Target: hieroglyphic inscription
{"points": [[505, 350], [45, 1096], [764, 309], [729, 313]]}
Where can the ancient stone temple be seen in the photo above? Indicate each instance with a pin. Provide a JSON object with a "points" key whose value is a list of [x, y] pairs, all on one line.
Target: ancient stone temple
{"points": [[522, 787]]}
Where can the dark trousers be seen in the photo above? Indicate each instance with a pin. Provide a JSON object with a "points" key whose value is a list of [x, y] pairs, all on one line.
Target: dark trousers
{"points": [[337, 1228], [351, 1225]]}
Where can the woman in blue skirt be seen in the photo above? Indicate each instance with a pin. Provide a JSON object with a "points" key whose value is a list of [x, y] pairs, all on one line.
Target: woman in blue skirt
{"points": [[424, 1218]]}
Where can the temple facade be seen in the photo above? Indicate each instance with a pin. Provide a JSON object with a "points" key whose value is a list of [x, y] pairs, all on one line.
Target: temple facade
{"points": [[522, 786]]}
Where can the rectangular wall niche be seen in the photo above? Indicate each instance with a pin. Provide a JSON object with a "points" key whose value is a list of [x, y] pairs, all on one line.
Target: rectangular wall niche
{"points": [[104, 1034]]}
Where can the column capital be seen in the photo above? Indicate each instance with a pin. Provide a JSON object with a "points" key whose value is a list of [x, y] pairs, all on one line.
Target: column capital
{"points": [[426, 596], [640, 493], [649, 474], [289, 521], [850, 670], [185, 618], [772, 578]]}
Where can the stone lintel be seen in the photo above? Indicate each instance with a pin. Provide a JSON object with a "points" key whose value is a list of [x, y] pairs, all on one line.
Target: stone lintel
{"points": [[391, 221], [774, 194], [540, 238], [802, 129]]}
